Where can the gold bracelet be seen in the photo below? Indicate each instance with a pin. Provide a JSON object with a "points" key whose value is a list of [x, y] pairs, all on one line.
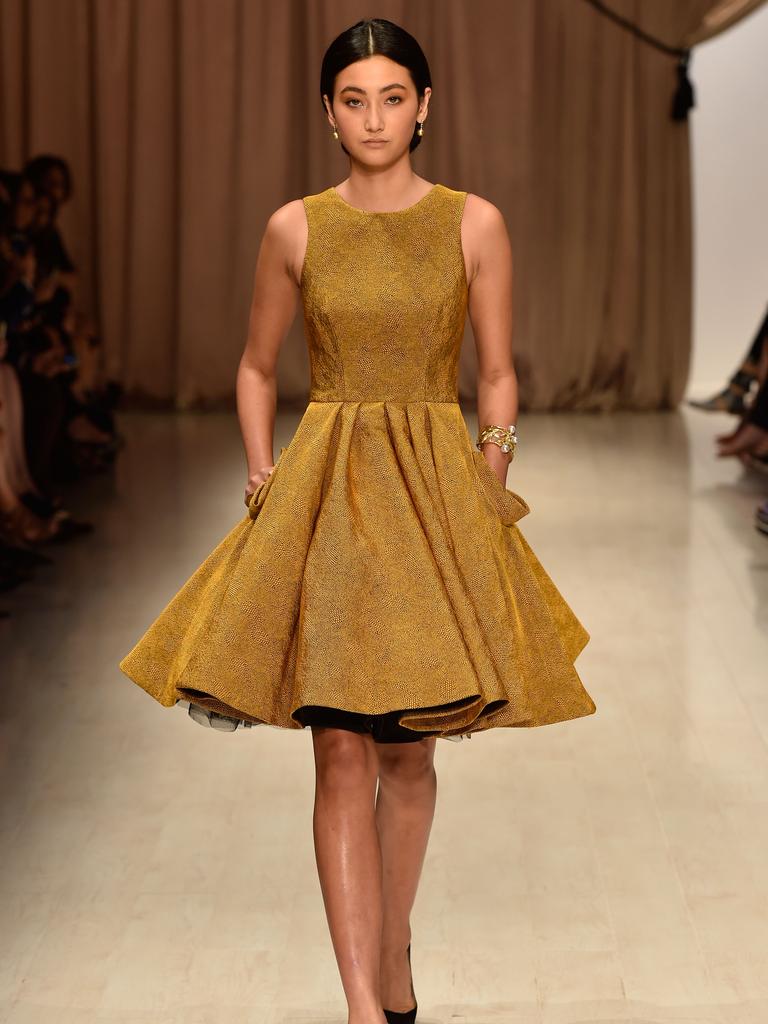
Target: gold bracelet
{"points": [[504, 437]]}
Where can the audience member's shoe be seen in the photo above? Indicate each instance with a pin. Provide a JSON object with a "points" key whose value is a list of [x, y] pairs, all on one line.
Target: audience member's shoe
{"points": [[40, 504], [21, 525], [21, 555], [68, 527], [728, 400], [82, 429]]}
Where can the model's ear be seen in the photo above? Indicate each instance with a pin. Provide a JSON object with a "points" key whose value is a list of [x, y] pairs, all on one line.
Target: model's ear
{"points": [[424, 105]]}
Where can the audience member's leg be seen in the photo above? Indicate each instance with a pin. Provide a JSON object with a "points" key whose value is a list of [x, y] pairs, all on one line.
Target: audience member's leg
{"points": [[752, 436], [44, 414], [12, 427], [732, 397], [758, 413]]}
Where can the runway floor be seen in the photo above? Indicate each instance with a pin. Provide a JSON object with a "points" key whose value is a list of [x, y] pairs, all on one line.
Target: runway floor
{"points": [[613, 868]]}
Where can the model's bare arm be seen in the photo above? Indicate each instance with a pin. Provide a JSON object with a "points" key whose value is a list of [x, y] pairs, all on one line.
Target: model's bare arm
{"points": [[273, 307], [486, 241]]}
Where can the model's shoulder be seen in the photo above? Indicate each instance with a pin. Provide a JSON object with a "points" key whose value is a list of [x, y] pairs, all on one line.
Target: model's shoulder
{"points": [[294, 213], [483, 227], [286, 217], [482, 213], [483, 234], [286, 227]]}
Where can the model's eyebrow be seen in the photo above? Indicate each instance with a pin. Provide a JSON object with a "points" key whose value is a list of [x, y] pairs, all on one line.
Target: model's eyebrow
{"points": [[356, 88]]}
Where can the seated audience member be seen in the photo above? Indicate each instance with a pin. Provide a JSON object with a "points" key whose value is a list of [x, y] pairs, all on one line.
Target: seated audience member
{"points": [[67, 406], [749, 440], [56, 408]]}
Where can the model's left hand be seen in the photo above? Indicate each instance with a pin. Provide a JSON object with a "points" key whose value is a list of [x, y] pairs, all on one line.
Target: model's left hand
{"points": [[255, 480]]}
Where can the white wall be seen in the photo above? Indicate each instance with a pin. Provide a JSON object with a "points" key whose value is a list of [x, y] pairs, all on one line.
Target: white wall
{"points": [[729, 137]]}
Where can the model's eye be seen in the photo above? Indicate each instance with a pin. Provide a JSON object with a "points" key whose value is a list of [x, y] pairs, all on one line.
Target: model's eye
{"points": [[397, 99]]}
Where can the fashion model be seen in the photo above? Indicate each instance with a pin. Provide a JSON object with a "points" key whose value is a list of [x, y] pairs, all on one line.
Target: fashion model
{"points": [[378, 590]]}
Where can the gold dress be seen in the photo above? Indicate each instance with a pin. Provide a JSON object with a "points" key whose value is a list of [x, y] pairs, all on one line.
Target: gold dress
{"points": [[379, 569]]}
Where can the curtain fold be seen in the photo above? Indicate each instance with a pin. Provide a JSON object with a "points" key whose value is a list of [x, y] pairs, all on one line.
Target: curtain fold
{"points": [[188, 122]]}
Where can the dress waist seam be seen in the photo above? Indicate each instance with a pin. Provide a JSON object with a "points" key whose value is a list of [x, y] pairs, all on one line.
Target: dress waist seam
{"points": [[380, 401]]}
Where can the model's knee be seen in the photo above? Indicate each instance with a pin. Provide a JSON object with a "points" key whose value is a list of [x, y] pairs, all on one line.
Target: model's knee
{"points": [[408, 763], [343, 759]]}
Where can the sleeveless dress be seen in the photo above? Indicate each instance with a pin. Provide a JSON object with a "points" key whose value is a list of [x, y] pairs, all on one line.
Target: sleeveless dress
{"points": [[379, 579]]}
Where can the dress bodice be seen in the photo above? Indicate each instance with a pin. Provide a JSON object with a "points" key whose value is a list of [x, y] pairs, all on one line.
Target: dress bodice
{"points": [[385, 298]]}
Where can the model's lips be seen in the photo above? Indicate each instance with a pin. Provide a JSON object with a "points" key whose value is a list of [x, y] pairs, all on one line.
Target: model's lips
{"points": [[375, 142]]}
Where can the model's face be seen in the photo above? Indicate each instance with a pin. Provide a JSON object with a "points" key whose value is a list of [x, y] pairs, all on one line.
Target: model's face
{"points": [[376, 99]]}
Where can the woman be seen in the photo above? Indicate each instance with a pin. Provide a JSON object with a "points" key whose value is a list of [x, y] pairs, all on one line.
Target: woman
{"points": [[379, 590]]}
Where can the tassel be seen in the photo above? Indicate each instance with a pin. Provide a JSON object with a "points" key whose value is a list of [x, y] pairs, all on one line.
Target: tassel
{"points": [[684, 97]]}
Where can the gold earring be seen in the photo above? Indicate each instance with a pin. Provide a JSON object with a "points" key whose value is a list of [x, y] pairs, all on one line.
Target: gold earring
{"points": [[421, 127], [335, 133]]}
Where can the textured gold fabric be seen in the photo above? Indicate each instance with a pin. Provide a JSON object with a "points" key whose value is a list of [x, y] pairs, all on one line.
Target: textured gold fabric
{"points": [[379, 567]]}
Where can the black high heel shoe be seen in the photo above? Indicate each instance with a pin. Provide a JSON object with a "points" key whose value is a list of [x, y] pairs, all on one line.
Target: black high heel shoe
{"points": [[408, 1016]]}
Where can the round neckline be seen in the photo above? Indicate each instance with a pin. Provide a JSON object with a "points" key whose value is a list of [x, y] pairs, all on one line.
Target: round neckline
{"points": [[383, 213]]}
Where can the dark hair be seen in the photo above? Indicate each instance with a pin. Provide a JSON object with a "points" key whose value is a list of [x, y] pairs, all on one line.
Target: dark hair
{"points": [[37, 168], [12, 182], [367, 38]]}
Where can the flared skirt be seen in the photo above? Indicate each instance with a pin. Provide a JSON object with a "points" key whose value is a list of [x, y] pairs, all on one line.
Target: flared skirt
{"points": [[378, 569]]}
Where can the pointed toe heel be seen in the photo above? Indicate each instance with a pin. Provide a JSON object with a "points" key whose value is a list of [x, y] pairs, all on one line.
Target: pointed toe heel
{"points": [[393, 1017], [407, 1016]]}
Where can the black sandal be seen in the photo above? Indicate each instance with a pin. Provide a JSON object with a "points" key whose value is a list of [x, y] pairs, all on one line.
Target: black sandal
{"points": [[728, 400]]}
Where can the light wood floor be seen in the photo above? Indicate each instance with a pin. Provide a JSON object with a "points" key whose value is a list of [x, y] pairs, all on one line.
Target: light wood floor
{"points": [[610, 869]]}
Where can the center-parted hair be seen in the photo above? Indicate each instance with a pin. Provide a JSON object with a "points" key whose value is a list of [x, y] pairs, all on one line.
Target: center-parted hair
{"points": [[370, 37]]}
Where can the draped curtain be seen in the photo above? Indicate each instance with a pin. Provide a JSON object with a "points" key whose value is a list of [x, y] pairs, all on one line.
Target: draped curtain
{"points": [[187, 122]]}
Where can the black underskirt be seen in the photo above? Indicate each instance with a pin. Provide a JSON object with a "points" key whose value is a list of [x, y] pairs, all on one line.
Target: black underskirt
{"points": [[384, 728]]}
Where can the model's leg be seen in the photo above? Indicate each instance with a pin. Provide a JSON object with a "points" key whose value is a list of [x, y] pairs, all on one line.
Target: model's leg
{"points": [[349, 862], [405, 807]]}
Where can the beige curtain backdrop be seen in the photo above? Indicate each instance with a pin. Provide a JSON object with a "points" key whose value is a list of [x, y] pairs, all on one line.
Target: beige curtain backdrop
{"points": [[187, 122]]}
